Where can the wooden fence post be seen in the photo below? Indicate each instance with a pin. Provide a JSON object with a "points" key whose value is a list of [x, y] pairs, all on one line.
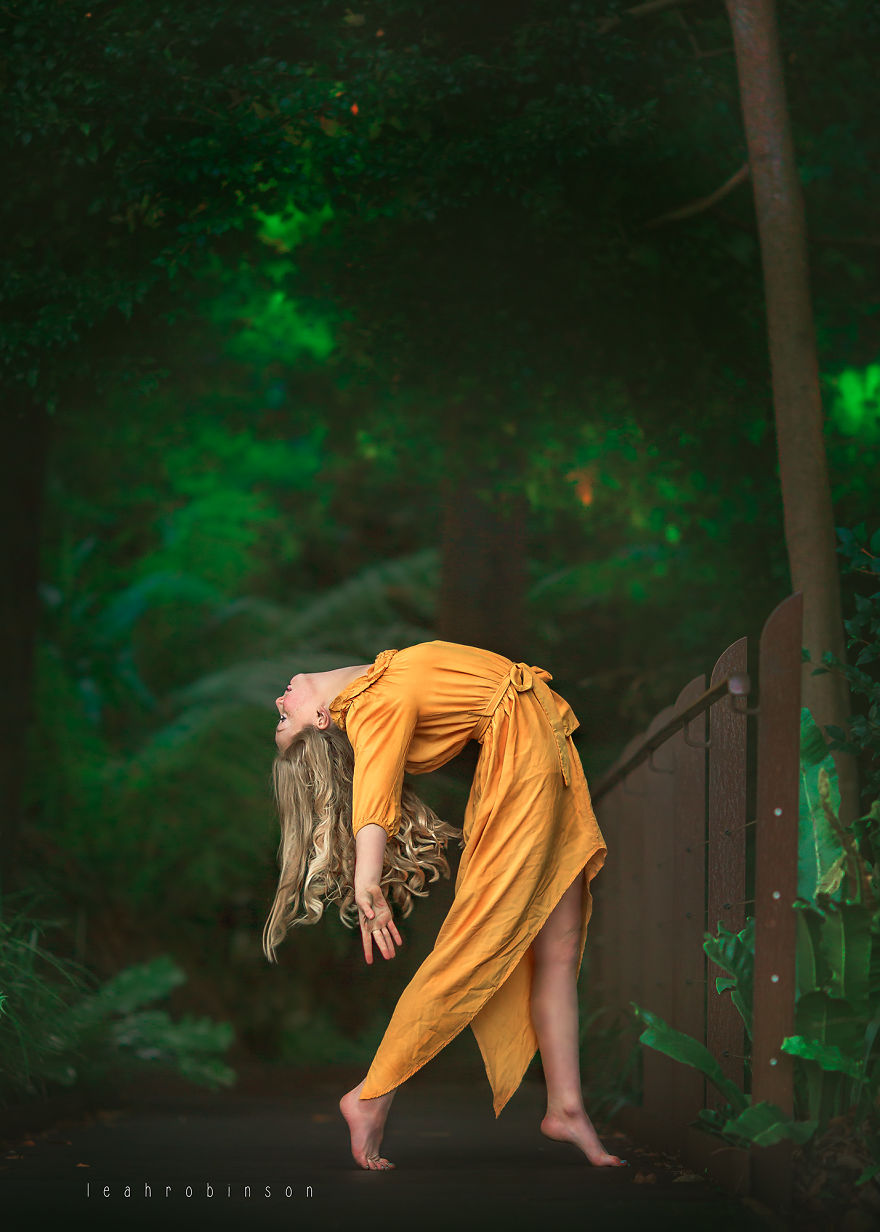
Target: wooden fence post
{"points": [[776, 859]]}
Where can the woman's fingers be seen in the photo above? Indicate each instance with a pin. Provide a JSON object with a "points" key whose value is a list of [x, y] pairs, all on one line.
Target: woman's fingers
{"points": [[377, 923], [384, 943], [367, 938]]}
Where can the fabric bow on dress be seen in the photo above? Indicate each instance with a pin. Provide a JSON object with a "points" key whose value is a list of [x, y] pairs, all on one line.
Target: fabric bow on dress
{"points": [[523, 679]]}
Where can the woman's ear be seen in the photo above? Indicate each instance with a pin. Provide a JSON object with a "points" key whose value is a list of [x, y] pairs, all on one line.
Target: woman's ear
{"points": [[323, 720]]}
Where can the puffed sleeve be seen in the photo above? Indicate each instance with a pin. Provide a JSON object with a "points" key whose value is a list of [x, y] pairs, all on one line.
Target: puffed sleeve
{"points": [[380, 731]]}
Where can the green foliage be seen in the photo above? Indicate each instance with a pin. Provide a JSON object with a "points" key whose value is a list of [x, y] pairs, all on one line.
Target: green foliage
{"points": [[171, 770], [838, 992], [838, 976], [744, 1123], [763, 1123], [658, 1034], [316, 1040], [856, 404], [819, 851], [827, 1056], [612, 1083], [861, 554], [735, 954], [55, 1028]]}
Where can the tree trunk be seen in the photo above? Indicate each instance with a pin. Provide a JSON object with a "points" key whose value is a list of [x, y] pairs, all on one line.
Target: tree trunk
{"points": [[483, 574], [25, 439], [803, 472]]}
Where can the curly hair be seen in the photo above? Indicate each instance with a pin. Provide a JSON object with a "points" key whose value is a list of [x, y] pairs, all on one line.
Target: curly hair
{"points": [[312, 779]]}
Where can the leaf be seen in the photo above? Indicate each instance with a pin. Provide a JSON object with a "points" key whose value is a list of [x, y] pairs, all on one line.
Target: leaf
{"points": [[827, 1056], [735, 953], [869, 1173], [812, 967], [845, 940], [831, 1020], [763, 1124], [832, 878], [134, 986], [680, 1047], [818, 845]]}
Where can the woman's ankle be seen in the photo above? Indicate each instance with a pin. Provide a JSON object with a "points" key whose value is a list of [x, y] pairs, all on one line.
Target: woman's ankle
{"points": [[569, 1109]]}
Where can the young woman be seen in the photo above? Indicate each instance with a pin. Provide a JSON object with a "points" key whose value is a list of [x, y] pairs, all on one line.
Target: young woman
{"points": [[508, 954]]}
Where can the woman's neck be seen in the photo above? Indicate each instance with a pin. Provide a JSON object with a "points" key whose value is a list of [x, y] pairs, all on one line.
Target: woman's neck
{"points": [[340, 678]]}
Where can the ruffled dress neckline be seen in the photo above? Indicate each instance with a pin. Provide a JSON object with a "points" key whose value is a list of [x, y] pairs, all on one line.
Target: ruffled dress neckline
{"points": [[339, 706]]}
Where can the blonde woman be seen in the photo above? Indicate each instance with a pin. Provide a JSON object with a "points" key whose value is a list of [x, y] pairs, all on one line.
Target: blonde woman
{"points": [[509, 952]]}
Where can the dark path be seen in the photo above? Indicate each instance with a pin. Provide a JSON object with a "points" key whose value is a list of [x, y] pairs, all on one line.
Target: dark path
{"points": [[458, 1168]]}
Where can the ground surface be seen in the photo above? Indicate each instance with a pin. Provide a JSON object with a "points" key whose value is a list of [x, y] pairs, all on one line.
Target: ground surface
{"points": [[279, 1133]]}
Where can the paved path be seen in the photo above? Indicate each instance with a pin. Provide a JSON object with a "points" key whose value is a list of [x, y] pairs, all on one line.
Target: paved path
{"points": [[273, 1153]]}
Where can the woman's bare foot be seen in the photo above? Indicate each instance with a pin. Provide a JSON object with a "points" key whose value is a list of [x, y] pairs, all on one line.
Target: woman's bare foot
{"points": [[366, 1121], [577, 1128]]}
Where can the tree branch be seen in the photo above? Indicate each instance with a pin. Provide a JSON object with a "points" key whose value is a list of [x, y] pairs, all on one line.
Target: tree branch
{"points": [[604, 24], [702, 203], [699, 54]]}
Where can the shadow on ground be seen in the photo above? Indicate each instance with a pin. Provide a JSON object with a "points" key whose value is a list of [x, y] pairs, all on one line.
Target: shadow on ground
{"points": [[273, 1152]]}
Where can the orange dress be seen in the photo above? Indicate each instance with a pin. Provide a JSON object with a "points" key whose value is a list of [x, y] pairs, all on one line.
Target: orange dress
{"points": [[529, 831]]}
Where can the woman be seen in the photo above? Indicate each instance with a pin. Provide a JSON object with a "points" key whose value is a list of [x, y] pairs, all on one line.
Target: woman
{"points": [[508, 954]]}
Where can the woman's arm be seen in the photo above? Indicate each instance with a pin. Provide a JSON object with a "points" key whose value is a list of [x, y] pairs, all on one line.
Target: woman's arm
{"points": [[369, 844], [375, 914], [380, 730]]}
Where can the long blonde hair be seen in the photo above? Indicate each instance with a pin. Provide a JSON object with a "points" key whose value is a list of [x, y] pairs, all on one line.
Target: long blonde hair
{"points": [[312, 778]]}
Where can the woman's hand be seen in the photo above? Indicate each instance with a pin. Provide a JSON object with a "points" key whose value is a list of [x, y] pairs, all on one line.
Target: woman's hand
{"points": [[376, 922]]}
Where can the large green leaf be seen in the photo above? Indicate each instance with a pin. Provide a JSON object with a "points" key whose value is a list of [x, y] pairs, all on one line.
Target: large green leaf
{"points": [[830, 1020], [763, 1124], [680, 1047], [813, 972], [827, 1056], [845, 940], [818, 845]]}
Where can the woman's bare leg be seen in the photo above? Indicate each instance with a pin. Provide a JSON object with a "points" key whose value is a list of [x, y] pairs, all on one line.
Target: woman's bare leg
{"points": [[366, 1122], [554, 1008]]}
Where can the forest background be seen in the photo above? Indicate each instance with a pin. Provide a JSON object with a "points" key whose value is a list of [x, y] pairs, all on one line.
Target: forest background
{"points": [[333, 329]]}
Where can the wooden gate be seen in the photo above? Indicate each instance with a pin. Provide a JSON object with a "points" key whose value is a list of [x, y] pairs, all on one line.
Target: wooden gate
{"points": [[673, 811]]}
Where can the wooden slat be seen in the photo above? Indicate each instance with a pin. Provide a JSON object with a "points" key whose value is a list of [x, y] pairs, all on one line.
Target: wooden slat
{"points": [[776, 851], [612, 875], [660, 1073], [633, 808], [725, 1032], [620, 944], [688, 959]]}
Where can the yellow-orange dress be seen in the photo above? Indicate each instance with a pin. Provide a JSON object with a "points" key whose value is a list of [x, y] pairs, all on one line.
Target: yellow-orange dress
{"points": [[529, 830]]}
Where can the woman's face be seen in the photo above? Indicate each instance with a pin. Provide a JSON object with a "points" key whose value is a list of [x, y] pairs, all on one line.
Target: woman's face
{"points": [[297, 706]]}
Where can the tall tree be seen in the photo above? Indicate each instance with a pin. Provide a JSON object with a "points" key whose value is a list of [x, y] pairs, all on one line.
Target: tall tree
{"points": [[803, 471]]}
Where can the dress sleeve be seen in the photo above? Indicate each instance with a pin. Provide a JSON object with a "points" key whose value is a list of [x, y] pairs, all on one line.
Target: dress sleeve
{"points": [[380, 734]]}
